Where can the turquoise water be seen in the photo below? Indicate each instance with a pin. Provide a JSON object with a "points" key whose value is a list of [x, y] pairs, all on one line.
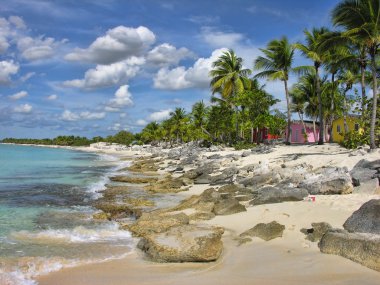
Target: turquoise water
{"points": [[46, 214]]}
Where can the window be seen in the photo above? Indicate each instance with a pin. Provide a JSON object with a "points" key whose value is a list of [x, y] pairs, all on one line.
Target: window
{"points": [[338, 128], [356, 127]]}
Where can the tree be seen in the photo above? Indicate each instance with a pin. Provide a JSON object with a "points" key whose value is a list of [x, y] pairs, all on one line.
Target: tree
{"points": [[178, 121], [361, 21], [313, 51], [229, 78], [277, 64]]}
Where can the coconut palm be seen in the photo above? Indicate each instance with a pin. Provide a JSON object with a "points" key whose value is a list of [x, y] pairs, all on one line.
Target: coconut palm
{"points": [[229, 78], [177, 118], [361, 21], [314, 51], [277, 65]]}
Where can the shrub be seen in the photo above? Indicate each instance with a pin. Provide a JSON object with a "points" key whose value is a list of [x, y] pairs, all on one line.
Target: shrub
{"points": [[354, 139]]}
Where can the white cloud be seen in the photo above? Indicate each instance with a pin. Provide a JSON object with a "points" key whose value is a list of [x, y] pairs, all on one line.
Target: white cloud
{"points": [[18, 95], [52, 97], [141, 122], [37, 48], [160, 115], [67, 115], [115, 127], [27, 76], [24, 108], [182, 78], [166, 54], [219, 39], [17, 21], [123, 98], [108, 75], [4, 45], [7, 68], [117, 44]]}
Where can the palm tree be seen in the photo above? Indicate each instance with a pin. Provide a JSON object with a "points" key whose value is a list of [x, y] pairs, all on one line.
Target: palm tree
{"points": [[298, 105], [361, 20], [277, 64], [178, 117], [229, 78], [313, 51]]}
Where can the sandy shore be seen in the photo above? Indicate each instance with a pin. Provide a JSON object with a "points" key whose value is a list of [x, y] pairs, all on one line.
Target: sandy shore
{"points": [[287, 260]]}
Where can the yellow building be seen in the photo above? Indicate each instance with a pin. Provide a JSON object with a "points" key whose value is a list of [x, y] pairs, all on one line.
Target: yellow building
{"points": [[338, 127]]}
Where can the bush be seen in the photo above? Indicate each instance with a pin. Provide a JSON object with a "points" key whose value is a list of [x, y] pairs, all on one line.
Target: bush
{"points": [[244, 145], [354, 139]]}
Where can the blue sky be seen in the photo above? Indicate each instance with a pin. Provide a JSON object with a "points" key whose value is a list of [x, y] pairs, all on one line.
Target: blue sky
{"points": [[96, 67]]}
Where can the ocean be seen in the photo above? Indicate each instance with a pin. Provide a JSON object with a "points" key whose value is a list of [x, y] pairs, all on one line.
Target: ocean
{"points": [[46, 214]]}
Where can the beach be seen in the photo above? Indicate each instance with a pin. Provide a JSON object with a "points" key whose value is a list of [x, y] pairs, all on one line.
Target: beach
{"points": [[290, 259]]}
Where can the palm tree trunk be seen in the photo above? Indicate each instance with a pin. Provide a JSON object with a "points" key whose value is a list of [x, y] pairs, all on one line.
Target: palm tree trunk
{"points": [[362, 83], [345, 113], [374, 99], [304, 127], [321, 124], [314, 130], [332, 106], [288, 110]]}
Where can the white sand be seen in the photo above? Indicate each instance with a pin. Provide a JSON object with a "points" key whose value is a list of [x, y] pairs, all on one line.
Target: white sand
{"points": [[287, 260]]}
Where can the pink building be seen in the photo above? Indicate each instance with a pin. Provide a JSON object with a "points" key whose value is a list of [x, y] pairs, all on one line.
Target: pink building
{"points": [[298, 131]]}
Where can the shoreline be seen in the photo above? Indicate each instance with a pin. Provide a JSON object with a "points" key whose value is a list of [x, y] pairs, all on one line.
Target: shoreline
{"points": [[295, 259]]}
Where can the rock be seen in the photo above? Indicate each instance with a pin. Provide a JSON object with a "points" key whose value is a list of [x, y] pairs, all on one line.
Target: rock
{"points": [[203, 179], [225, 177], [101, 216], [228, 207], [330, 181], [201, 216], [373, 165], [258, 180], [317, 231], [366, 219], [360, 175], [133, 179], [214, 156], [360, 248], [271, 195], [167, 185], [115, 210], [266, 232], [188, 243], [246, 153], [144, 165], [368, 187], [157, 223]]}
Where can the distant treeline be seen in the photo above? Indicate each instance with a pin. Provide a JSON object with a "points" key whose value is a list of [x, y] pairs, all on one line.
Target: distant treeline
{"points": [[122, 137]]}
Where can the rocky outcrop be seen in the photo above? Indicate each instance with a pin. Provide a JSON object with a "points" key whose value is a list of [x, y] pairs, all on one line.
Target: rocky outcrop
{"points": [[270, 195], [144, 165], [360, 248], [167, 184], [187, 243], [266, 232], [150, 223], [133, 179], [329, 181], [317, 230], [228, 206], [366, 219]]}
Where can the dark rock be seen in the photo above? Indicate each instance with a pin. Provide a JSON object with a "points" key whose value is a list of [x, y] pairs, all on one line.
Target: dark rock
{"points": [[133, 179], [188, 243], [270, 195], [258, 180], [360, 175], [246, 153], [366, 219], [225, 177], [317, 231], [368, 187], [360, 248], [203, 179], [214, 156], [368, 164], [266, 232], [228, 207]]}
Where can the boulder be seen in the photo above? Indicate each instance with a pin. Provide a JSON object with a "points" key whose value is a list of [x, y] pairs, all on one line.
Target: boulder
{"points": [[330, 181], [266, 232], [157, 223], [360, 175], [225, 177], [368, 187], [316, 231], [366, 219], [187, 243], [258, 180], [246, 153], [360, 248], [271, 195], [228, 207], [133, 179]]}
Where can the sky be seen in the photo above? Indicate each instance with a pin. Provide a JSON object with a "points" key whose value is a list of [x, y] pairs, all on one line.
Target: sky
{"points": [[96, 67]]}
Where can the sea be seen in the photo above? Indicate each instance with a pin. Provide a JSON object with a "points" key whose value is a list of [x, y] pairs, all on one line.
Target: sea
{"points": [[46, 219]]}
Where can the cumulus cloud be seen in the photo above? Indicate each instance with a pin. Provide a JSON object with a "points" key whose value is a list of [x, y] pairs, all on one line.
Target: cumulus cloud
{"points": [[182, 78], [117, 44], [67, 115], [7, 69], [218, 39], [18, 95], [24, 108], [108, 75], [4, 45], [160, 115], [27, 76], [115, 127], [166, 54], [141, 122], [52, 97], [17, 21], [36, 48], [123, 98]]}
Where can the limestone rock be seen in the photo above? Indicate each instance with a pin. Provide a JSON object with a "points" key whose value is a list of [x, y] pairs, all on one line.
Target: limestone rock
{"points": [[270, 195], [266, 232], [366, 219], [317, 231], [133, 179], [228, 207], [360, 248], [187, 243]]}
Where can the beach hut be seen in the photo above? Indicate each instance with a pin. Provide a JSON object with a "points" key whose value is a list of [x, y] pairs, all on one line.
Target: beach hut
{"points": [[338, 128], [298, 133], [262, 135]]}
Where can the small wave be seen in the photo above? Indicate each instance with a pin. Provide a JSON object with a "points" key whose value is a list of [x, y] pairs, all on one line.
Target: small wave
{"points": [[107, 157], [78, 234]]}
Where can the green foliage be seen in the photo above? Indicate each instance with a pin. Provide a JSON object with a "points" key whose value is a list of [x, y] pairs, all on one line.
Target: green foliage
{"points": [[354, 139], [244, 145]]}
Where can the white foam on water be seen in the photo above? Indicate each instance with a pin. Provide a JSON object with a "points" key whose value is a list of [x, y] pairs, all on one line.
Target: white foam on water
{"points": [[79, 234]]}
